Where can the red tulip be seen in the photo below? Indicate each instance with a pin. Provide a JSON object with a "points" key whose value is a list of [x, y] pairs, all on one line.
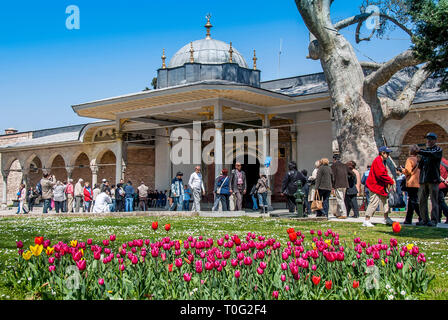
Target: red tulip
{"points": [[155, 225], [293, 236], [355, 284], [38, 240], [396, 227], [167, 227], [328, 284], [316, 280], [170, 267]]}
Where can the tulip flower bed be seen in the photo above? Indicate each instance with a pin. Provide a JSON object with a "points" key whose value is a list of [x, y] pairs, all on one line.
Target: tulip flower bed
{"points": [[312, 265]]}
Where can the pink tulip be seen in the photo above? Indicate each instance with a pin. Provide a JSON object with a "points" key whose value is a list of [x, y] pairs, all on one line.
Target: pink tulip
{"points": [[89, 241], [399, 265], [263, 265], [51, 260], [260, 271], [178, 262], [112, 237], [134, 259], [187, 277], [247, 261], [237, 274], [122, 267], [284, 266], [100, 281], [283, 277], [287, 288], [81, 265], [105, 242], [275, 294], [51, 268]]}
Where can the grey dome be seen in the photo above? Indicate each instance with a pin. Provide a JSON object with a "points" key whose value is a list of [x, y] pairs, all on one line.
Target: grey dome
{"points": [[207, 51]]}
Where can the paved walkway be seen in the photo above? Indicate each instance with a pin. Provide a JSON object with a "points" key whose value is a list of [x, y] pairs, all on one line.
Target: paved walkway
{"points": [[378, 219]]}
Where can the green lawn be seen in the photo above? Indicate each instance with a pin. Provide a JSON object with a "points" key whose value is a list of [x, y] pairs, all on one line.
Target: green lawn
{"points": [[433, 242]]}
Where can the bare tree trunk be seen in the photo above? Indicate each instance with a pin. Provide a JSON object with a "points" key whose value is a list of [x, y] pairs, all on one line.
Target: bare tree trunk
{"points": [[358, 114]]}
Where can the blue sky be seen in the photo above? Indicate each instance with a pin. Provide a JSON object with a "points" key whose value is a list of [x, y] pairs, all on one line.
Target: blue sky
{"points": [[46, 68]]}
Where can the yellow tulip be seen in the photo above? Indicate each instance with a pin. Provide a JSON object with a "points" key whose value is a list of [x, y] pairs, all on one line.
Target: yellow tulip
{"points": [[49, 251], [314, 246], [73, 243], [82, 252], [180, 242], [37, 249], [328, 242], [410, 246], [27, 255], [383, 263]]}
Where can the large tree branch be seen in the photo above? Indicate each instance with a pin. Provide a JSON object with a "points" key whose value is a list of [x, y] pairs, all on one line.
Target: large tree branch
{"points": [[360, 18], [397, 109], [316, 15], [388, 69], [370, 65]]}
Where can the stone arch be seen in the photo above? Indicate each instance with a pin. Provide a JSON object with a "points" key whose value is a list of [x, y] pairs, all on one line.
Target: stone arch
{"points": [[58, 168], [81, 167], [416, 135], [34, 167], [106, 163], [15, 178]]}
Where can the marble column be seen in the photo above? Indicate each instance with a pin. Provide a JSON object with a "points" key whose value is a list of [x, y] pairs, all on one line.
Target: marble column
{"points": [[5, 189], [94, 175], [267, 152], [119, 158], [294, 155], [69, 172], [218, 139]]}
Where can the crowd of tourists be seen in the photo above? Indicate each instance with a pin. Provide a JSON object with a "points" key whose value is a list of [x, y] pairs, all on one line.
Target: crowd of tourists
{"points": [[386, 187], [82, 197]]}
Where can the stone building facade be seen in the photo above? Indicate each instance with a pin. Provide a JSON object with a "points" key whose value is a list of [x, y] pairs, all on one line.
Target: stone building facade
{"points": [[206, 81]]}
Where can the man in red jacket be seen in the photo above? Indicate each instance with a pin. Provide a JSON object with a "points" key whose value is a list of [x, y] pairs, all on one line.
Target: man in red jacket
{"points": [[378, 183], [443, 188]]}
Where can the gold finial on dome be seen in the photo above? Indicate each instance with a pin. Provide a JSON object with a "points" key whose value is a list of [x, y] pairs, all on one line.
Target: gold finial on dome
{"points": [[191, 52], [208, 25], [255, 61], [231, 53], [163, 59]]}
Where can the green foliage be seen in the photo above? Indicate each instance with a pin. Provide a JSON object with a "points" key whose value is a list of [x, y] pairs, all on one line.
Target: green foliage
{"points": [[431, 35]]}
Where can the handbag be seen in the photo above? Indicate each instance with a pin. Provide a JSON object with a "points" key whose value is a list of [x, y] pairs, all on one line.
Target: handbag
{"points": [[317, 202], [218, 191], [232, 202], [395, 199]]}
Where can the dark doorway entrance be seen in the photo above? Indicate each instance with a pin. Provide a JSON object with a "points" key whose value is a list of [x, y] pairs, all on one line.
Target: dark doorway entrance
{"points": [[252, 174]]}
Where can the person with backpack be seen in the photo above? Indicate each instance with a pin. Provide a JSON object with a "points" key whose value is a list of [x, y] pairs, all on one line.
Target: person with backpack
{"points": [[222, 191], [324, 185], [262, 188], [119, 196], [378, 182], [443, 189], [412, 173], [253, 194], [351, 194], [289, 185], [31, 198]]}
